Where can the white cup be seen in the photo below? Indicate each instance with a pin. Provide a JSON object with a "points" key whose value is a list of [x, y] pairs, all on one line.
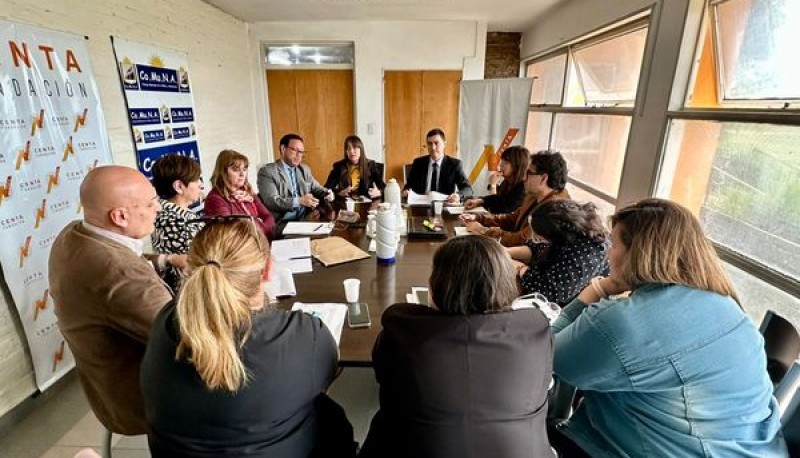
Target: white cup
{"points": [[437, 207], [351, 287], [350, 205]]}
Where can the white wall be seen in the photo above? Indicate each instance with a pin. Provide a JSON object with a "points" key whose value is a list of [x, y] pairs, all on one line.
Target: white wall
{"points": [[379, 46], [223, 72]]}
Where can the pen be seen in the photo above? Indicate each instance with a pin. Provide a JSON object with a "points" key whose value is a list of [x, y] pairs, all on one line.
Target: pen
{"points": [[318, 228]]}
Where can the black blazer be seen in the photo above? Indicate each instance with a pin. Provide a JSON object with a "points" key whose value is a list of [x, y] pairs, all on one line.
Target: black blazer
{"points": [[455, 386], [450, 176], [339, 178], [506, 200]]}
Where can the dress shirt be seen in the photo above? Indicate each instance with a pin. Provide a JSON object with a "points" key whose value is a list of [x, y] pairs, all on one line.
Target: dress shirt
{"points": [[297, 210], [136, 245]]}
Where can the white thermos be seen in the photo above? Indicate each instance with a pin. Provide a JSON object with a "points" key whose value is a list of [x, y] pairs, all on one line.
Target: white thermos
{"points": [[386, 234]]}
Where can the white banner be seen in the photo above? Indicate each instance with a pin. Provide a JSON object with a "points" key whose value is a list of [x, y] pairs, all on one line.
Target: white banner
{"points": [[493, 116], [52, 132], [158, 93]]}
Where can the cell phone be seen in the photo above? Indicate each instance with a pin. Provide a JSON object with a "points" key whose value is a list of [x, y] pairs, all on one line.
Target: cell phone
{"points": [[358, 315]]}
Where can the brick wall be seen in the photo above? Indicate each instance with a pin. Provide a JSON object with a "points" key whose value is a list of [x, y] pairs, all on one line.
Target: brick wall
{"points": [[502, 55]]}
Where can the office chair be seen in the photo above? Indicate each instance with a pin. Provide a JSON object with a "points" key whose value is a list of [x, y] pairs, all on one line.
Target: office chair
{"points": [[406, 173], [790, 416], [781, 344], [560, 401], [786, 391]]}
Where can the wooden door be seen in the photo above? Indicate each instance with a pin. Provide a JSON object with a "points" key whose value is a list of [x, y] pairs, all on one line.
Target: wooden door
{"points": [[414, 103], [318, 105]]}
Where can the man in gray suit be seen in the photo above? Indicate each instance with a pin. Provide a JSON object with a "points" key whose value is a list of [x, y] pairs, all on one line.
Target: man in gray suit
{"points": [[286, 186]]}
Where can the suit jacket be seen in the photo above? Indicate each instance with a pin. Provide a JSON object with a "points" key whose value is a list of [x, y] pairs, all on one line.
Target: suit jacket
{"points": [[451, 174], [275, 188], [506, 200], [461, 386], [105, 310], [339, 178], [512, 229]]}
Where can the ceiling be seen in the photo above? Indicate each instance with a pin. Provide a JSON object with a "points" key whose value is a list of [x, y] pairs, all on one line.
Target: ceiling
{"points": [[501, 15]]}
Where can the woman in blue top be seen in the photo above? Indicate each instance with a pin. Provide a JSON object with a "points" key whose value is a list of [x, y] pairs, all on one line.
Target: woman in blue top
{"points": [[674, 369]]}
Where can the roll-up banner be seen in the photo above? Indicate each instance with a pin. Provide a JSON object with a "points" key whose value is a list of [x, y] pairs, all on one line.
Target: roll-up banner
{"points": [[493, 115], [52, 132], [158, 94]]}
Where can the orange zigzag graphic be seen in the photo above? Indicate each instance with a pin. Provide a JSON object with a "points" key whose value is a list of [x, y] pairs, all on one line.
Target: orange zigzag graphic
{"points": [[37, 122], [52, 179], [80, 120], [40, 214], [5, 190], [24, 154], [58, 356], [41, 304], [25, 251], [68, 149]]}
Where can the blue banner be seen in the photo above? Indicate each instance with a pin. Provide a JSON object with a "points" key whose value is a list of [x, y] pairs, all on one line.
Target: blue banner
{"points": [[184, 114], [157, 79], [146, 157], [144, 116]]}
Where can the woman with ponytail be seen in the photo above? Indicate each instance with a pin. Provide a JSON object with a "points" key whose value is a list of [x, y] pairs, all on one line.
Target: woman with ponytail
{"points": [[225, 375]]}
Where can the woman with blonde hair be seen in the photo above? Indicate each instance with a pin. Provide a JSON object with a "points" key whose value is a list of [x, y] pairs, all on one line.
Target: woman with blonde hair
{"points": [[674, 369], [232, 193], [224, 375]]}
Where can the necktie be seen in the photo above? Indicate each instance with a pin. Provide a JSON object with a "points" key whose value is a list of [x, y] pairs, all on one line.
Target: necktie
{"points": [[293, 179], [435, 177]]}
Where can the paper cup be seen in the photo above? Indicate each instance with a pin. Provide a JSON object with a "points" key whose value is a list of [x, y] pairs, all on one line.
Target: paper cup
{"points": [[350, 205], [437, 208], [351, 288]]}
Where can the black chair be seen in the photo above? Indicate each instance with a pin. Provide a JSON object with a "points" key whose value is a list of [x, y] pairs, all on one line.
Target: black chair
{"points": [[781, 343], [406, 172], [788, 401], [560, 401]]}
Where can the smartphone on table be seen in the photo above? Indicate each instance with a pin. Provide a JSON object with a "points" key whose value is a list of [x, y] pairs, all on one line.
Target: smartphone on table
{"points": [[358, 315]]}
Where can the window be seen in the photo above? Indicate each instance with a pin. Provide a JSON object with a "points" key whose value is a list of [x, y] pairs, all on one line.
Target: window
{"points": [[731, 154], [328, 55], [581, 105]]}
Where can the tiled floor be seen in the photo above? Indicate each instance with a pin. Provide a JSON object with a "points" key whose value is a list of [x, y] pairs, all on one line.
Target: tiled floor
{"points": [[62, 424]]}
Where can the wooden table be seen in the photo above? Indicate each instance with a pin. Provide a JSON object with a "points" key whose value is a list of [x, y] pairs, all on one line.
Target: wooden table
{"points": [[381, 285]]}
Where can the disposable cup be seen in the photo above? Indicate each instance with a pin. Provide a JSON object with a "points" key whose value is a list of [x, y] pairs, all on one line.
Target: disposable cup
{"points": [[437, 208], [351, 287], [350, 205]]}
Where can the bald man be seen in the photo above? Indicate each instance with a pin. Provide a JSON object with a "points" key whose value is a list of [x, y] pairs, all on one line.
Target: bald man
{"points": [[107, 294]]}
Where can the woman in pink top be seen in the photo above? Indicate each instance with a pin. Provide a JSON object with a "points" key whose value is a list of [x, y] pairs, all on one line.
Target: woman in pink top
{"points": [[232, 193]]}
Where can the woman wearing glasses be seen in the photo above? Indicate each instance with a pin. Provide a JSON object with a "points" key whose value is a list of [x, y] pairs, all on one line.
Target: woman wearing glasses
{"points": [[232, 193], [355, 174], [508, 195], [676, 368], [225, 376], [177, 181], [567, 248], [467, 376]]}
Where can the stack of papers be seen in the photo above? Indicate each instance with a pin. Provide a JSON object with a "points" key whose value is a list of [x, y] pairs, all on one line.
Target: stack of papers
{"points": [[294, 254], [460, 230], [424, 199], [281, 284], [307, 228], [330, 313]]}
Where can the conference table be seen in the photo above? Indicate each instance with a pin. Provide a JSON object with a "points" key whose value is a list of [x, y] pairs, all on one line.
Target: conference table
{"points": [[381, 285]]}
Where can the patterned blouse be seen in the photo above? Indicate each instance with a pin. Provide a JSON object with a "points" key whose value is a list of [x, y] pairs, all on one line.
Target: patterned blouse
{"points": [[561, 272], [173, 234]]}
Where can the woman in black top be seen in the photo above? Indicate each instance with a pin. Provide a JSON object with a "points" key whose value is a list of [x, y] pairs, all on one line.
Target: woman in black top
{"points": [[508, 195], [568, 248], [355, 175], [467, 376], [224, 376]]}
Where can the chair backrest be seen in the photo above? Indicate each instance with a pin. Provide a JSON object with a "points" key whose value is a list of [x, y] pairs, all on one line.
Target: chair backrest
{"points": [[781, 343], [560, 401], [406, 172], [790, 414], [786, 391]]}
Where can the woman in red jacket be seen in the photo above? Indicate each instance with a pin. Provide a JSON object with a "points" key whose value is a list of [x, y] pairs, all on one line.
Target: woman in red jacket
{"points": [[232, 193]]}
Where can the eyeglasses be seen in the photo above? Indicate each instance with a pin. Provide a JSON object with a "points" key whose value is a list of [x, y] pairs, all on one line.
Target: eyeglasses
{"points": [[530, 174], [296, 151]]}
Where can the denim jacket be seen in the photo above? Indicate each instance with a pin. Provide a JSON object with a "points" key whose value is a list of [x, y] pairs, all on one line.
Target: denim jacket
{"points": [[668, 371]]}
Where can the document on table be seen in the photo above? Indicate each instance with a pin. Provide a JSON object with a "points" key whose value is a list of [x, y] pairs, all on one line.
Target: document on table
{"points": [[331, 314], [424, 199], [307, 228], [295, 254], [460, 209], [418, 295], [460, 230], [281, 284]]}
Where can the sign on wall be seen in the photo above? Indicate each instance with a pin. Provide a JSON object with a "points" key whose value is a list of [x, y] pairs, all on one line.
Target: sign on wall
{"points": [[494, 115], [158, 94], [52, 132]]}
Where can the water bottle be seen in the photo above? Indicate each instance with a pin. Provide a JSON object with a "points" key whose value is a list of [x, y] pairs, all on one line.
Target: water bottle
{"points": [[386, 234], [391, 194]]}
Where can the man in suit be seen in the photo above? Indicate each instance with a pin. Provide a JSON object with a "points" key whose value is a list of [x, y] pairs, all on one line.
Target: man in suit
{"points": [[438, 172], [107, 294], [546, 179], [286, 186]]}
